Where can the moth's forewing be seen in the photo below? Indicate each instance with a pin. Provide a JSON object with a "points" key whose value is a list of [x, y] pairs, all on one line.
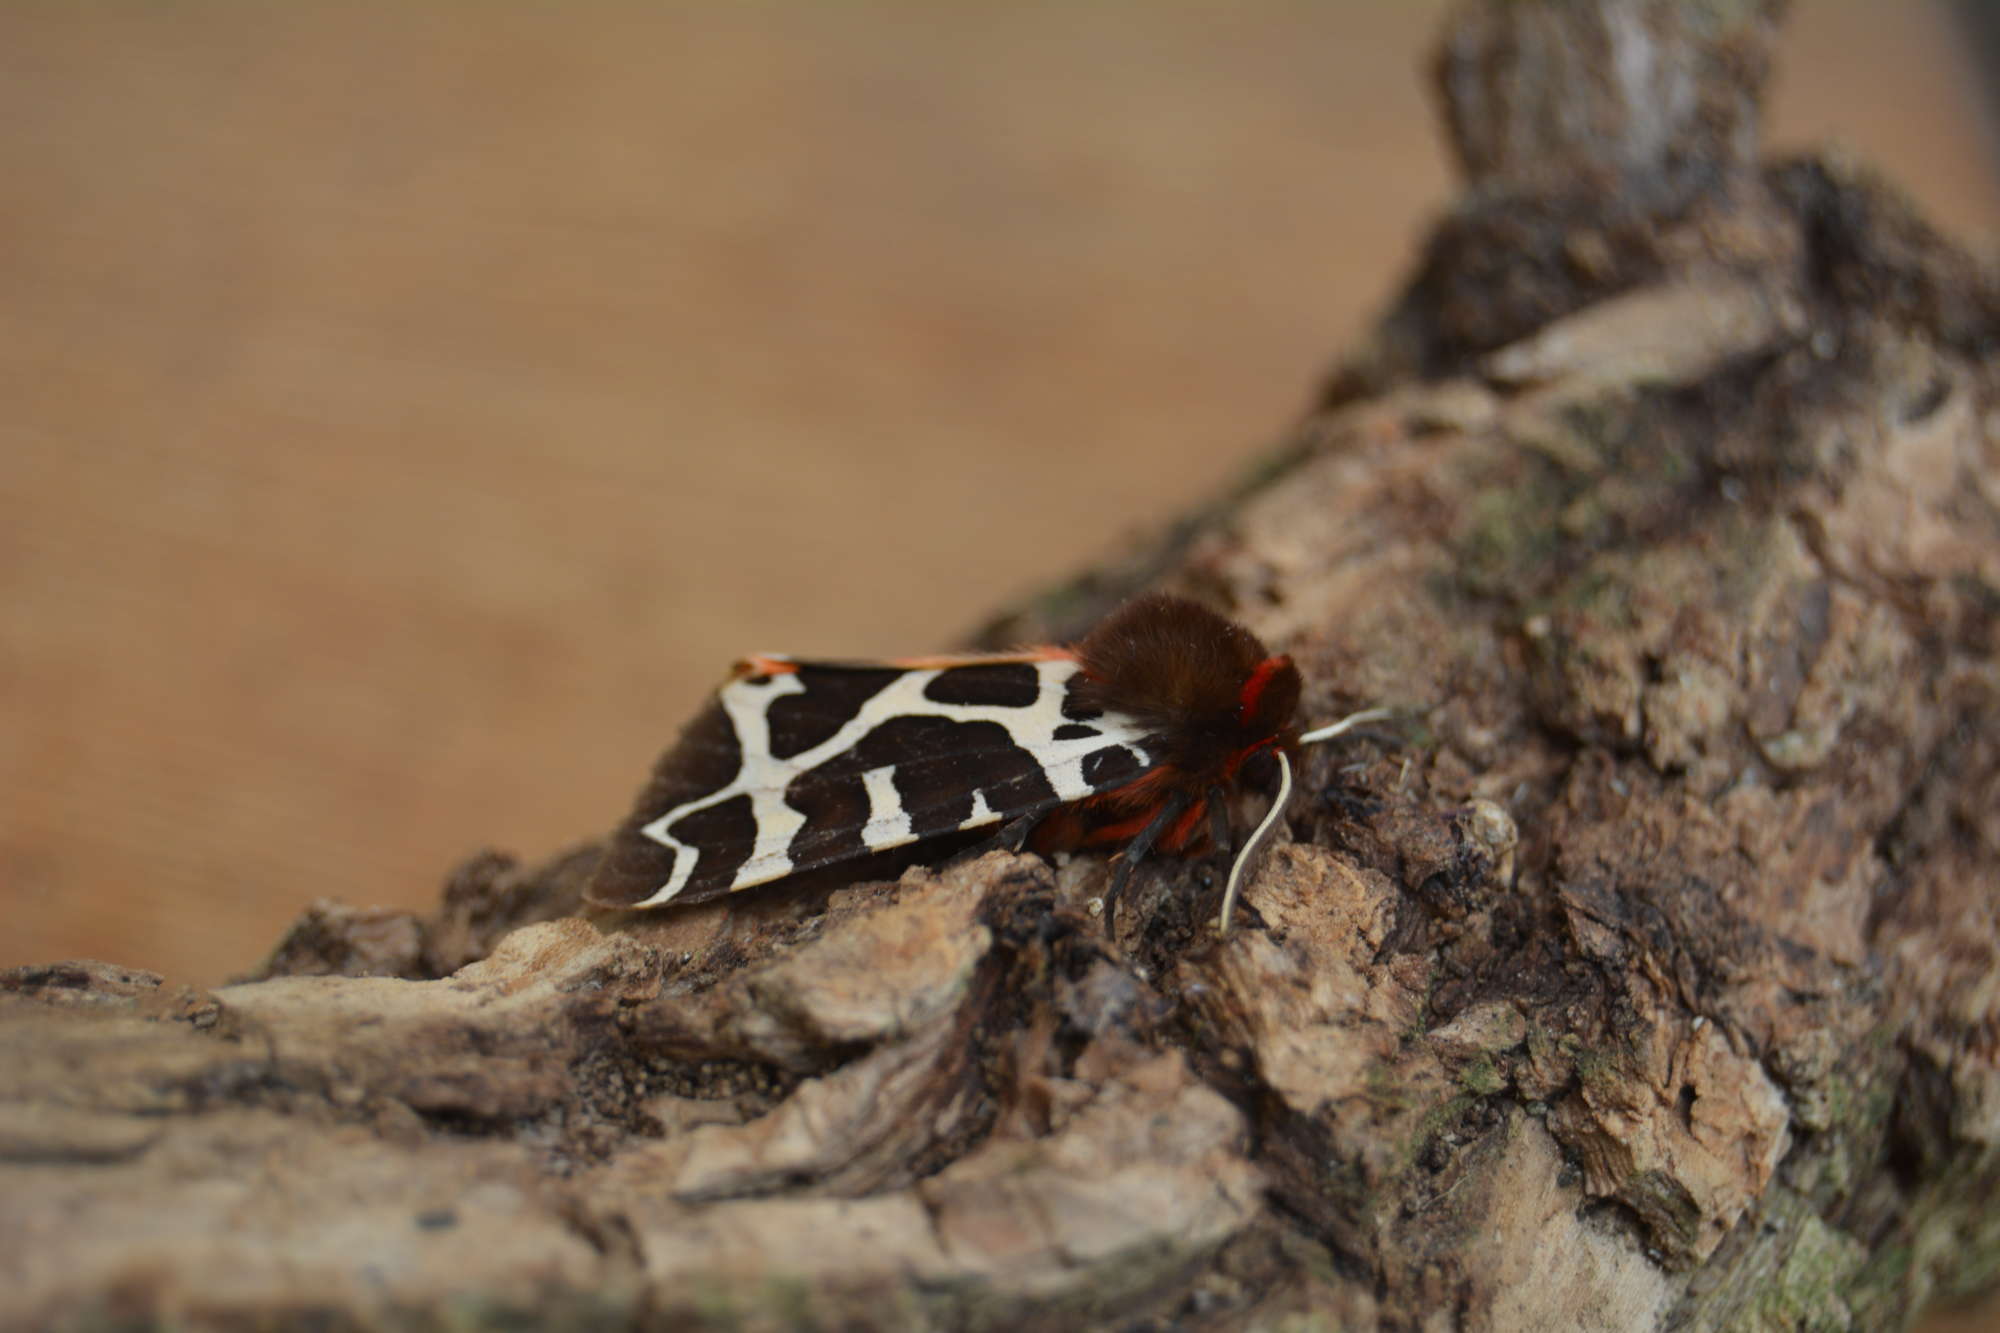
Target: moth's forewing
{"points": [[796, 765], [704, 760]]}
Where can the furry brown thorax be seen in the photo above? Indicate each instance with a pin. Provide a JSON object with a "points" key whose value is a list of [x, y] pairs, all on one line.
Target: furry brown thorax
{"points": [[1207, 687]]}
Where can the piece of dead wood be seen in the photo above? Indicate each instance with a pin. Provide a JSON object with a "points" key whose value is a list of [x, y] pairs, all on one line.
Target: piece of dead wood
{"points": [[1643, 977]]}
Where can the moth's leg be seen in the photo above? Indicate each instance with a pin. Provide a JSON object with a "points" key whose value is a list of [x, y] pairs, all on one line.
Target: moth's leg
{"points": [[1012, 837], [1135, 852], [1014, 834], [1219, 831]]}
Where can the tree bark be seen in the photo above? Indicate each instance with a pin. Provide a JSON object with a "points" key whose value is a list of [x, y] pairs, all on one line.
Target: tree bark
{"points": [[1640, 975]]}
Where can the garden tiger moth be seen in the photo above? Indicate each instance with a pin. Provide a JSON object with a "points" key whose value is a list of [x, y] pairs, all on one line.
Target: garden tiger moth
{"points": [[1132, 735]]}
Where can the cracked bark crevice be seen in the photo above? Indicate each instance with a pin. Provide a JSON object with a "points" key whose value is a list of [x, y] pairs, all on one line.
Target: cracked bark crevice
{"points": [[1638, 976]]}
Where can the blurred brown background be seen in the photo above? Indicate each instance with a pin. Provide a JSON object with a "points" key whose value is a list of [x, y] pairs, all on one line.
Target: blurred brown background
{"points": [[405, 416]]}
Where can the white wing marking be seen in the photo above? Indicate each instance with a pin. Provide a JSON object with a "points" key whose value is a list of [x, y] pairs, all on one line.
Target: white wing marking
{"points": [[982, 813], [888, 822]]}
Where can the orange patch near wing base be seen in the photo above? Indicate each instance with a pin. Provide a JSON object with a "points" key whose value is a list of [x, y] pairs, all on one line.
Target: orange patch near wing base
{"points": [[756, 665], [1123, 813], [1189, 833]]}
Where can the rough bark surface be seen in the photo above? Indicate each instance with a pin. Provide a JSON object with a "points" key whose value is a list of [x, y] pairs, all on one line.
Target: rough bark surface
{"points": [[1642, 975]]}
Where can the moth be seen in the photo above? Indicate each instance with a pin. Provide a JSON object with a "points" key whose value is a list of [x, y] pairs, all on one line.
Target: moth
{"points": [[1134, 735]]}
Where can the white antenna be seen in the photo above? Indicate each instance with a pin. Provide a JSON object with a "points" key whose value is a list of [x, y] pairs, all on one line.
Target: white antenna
{"points": [[1346, 723], [1256, 840], [1240, 866]]}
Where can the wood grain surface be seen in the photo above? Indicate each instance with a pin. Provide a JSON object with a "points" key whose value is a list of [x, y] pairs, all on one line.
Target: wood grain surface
{"points": [[406, 415]]}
